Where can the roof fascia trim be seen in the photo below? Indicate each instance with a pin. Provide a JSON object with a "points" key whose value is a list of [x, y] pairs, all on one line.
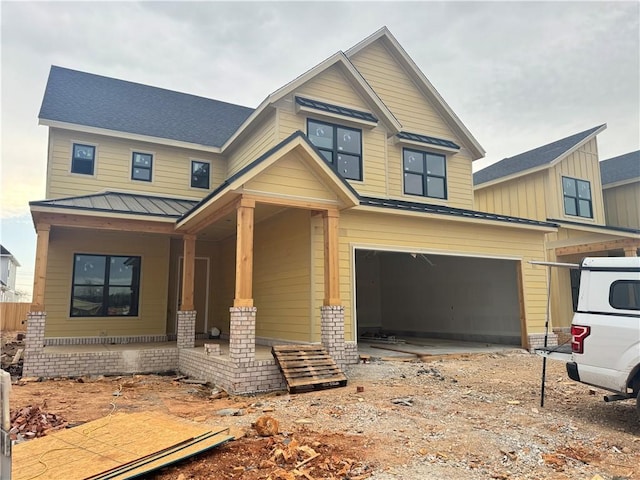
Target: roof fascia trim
{"points": [[422, 81], [568, 152], [601, 229], [337, 58], [130, 136], [513, 176], [89, 212], [621, 183]]}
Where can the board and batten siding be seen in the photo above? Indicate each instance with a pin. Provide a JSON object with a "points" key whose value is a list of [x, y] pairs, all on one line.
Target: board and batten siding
{"points": [[622, 205], [171, 170], [392, 231], [521, 197], [154, 278], [582, 164]]}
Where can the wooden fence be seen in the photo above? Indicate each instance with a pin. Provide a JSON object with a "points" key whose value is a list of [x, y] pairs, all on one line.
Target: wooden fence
{"points": [[12, 315]]}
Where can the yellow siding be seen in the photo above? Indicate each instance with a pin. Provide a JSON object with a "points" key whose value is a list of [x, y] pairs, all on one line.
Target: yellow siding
{"points": [[261, 138], [392, 231], [583, 165], [399, 93], [459, 179], [290, 176], [520, 197], [332, 85], [171, 174], [622, 205], [282, 279], [154, 277]]}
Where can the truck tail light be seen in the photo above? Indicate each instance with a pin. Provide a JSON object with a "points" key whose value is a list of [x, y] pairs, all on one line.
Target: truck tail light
{"points": [[578, 334]]}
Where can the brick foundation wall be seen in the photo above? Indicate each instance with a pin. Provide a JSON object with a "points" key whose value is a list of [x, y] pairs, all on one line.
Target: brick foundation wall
{"points": [[249, 377], [242, 335], [536, 340], [34, 342], [351, 353], [186, 334], [332, 331], [57, 341], [564, 334], [50, 365]]}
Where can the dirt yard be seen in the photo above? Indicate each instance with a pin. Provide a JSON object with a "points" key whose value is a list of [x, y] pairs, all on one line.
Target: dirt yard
{"points": [[473, 417]]}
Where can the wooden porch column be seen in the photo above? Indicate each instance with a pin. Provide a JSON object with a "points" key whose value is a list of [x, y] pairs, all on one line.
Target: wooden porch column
{"points": [[331, 258], [244, 253], [40, 275], [631, 251], [188, 272]]}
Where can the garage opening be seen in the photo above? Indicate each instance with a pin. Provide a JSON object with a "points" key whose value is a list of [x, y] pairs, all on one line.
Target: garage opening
{"points": [[400, 294]]}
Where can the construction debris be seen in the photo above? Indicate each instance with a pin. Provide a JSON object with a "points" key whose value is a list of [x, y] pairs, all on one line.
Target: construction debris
{"points": [[266, 426], [32, 422]]}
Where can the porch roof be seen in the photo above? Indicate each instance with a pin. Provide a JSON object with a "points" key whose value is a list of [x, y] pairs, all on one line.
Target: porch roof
{"points": [[123, 203]]}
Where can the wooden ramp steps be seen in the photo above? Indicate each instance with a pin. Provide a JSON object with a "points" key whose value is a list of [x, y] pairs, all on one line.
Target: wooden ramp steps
{"points": [[308, 367]]}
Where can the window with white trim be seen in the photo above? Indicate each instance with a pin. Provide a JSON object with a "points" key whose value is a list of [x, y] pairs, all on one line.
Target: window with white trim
{"points": [[141, 166], [200, 172], [83, 159]]}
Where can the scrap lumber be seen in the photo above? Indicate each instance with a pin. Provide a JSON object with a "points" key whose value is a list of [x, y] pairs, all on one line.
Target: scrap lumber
{"points": [[17, 356], [119, 446], [308, 366]]}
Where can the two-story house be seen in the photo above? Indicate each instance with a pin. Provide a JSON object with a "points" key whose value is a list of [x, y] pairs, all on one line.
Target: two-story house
{"points": [[8, 269], [343, 204], [621, 190], [561, 183]]}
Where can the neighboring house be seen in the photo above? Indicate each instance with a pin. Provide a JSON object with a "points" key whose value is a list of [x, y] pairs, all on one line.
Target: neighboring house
{"points": [[621, 190], [342, 205], [8, 267], [560, 183]]}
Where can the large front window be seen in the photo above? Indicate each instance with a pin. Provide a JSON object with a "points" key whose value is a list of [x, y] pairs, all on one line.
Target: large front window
{"points": [[340, 146], [105, 285], [577, 197], [425, 174]]}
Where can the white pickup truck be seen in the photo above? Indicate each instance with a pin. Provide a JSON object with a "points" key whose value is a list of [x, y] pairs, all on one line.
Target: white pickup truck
{"points": [[605, 344]]}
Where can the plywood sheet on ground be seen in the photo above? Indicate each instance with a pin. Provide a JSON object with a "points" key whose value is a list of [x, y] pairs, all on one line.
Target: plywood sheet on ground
{"points": [[101, 445]]}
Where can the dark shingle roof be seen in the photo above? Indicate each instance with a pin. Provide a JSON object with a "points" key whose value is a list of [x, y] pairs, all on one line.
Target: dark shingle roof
{"points": [[344, 111], [127, 203], [533, 158], [429, 140], [103, 102], [622, 167]]}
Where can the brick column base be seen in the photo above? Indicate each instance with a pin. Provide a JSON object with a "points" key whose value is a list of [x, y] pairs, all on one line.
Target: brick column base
{"points": [[34, 341], [332, 331], [536, 340], [186, 334], [242, 334]]}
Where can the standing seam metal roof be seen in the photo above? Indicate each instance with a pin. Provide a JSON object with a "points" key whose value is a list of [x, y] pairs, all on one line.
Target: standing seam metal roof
{"points": [[102, 102]]}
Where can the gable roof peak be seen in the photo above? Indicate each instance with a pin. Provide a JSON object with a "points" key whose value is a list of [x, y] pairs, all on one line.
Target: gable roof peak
{"points": [[537, 157]]}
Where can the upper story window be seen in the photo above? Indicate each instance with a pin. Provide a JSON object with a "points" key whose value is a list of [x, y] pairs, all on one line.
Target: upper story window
{"points": [[200, 174], [577, 197], [105, 285], [83, 159], [141, 166], [340, 146], [425, 174]]}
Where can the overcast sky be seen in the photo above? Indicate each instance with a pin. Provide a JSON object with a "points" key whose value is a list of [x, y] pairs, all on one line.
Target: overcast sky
{"points": [[518, 75]]}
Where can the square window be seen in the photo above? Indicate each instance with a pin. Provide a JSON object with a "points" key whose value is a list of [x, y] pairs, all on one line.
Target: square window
{"points": [[83, 159], [425, 174], [200, 174], [340, 146], [105, 285], [141, 166]]}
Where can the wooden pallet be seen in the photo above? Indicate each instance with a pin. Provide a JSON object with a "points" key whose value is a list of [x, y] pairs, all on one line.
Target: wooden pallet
{"points": [[308, 367]]}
